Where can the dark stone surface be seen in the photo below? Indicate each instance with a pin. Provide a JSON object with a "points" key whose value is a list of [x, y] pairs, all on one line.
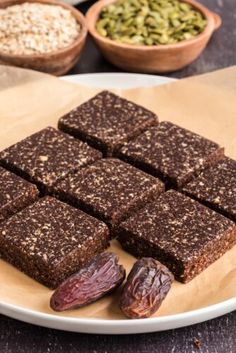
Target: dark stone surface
{"points": [[217, 336], [220, 52]]}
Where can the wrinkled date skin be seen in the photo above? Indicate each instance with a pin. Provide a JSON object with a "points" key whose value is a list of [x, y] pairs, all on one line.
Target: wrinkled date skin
{"points": [[100, 277], [147, 286]]}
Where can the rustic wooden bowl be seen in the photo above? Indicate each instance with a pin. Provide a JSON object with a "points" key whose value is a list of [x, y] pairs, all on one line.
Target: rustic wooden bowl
{"points": [[151, 59], [56, 63]]}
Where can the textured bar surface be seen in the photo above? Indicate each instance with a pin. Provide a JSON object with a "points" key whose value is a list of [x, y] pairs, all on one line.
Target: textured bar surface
{"points": [[47, 156], [179, 232], [50, 240], [109, 190], [15, 194], [216, 188], [171, 153], [107, 121]]}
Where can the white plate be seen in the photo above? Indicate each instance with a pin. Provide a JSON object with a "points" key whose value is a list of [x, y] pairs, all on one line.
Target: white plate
{"points": [[118, 80], [99, 326], [74, 2]]}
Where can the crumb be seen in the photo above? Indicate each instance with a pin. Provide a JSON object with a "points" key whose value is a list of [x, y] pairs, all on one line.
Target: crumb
{"points": [[197, 343]]}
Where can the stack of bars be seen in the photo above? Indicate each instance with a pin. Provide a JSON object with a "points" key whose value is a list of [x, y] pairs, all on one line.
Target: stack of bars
{"points": [[112, 170]]}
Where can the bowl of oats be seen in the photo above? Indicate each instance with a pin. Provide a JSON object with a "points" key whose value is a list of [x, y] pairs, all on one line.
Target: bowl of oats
{"points": [[43, 35]]}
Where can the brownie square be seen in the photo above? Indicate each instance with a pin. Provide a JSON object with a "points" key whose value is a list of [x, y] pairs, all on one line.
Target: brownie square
{"points": [[171, 153], [15, 194], [107, 121], [216, 188], [109, 189], [50, 240], [180, 232], [47, 156]]}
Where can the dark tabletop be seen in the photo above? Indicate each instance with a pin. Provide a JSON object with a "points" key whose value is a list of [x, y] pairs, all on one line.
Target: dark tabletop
{"points": [[216, 336]]}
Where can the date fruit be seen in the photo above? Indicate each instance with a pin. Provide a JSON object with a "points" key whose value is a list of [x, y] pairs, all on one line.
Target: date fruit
{"points": [[100, 277], [146, 287]]}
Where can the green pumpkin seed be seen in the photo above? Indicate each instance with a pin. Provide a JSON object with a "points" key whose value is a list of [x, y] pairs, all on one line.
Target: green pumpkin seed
{"points": [[148, 41]]}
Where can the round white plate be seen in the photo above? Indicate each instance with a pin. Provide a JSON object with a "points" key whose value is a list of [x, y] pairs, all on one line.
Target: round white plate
{"points": [[99, 326]]}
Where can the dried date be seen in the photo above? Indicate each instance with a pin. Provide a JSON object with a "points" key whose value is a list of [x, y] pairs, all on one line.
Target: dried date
{"points": [[146, 287], [100, 277]]}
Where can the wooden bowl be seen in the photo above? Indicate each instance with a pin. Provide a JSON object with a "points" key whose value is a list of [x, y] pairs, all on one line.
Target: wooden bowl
{"points": [[151, 59], [58, 62]]}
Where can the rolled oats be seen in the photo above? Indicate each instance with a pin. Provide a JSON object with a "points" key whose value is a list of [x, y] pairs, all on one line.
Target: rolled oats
{"points": [[34, 28]]}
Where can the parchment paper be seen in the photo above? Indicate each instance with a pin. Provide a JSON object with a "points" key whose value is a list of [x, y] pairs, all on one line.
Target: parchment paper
{"points": [[205, 104]]}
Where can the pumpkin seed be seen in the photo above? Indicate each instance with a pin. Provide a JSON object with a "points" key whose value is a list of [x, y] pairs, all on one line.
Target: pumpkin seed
{"points": [[150, 22]]}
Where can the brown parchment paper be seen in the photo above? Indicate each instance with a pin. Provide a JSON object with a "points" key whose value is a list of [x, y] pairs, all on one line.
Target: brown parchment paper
{"points": [[205, 104]]}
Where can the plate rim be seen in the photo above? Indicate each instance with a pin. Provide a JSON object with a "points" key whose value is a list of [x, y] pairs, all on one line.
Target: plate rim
{"points": [[123, 326], [153, 79]]}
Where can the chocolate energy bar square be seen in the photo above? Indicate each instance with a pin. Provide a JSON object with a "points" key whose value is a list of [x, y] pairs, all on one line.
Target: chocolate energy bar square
{"points": [[50, 240], [180, 233], [47, 156], [216, 188], [107, 121], [171, 153], [109, 189], [15, 194]]}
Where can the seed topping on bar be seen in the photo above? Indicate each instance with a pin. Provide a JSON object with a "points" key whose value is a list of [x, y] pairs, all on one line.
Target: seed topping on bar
{"points": [[47, 156], [15, 194], [171, 153], [216, 187], [50, 240], [179, 232], [106, 121], [109, 189]]}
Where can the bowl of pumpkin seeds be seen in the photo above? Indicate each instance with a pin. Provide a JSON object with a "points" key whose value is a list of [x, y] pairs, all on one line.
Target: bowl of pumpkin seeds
{"points": [[151, 36]]}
